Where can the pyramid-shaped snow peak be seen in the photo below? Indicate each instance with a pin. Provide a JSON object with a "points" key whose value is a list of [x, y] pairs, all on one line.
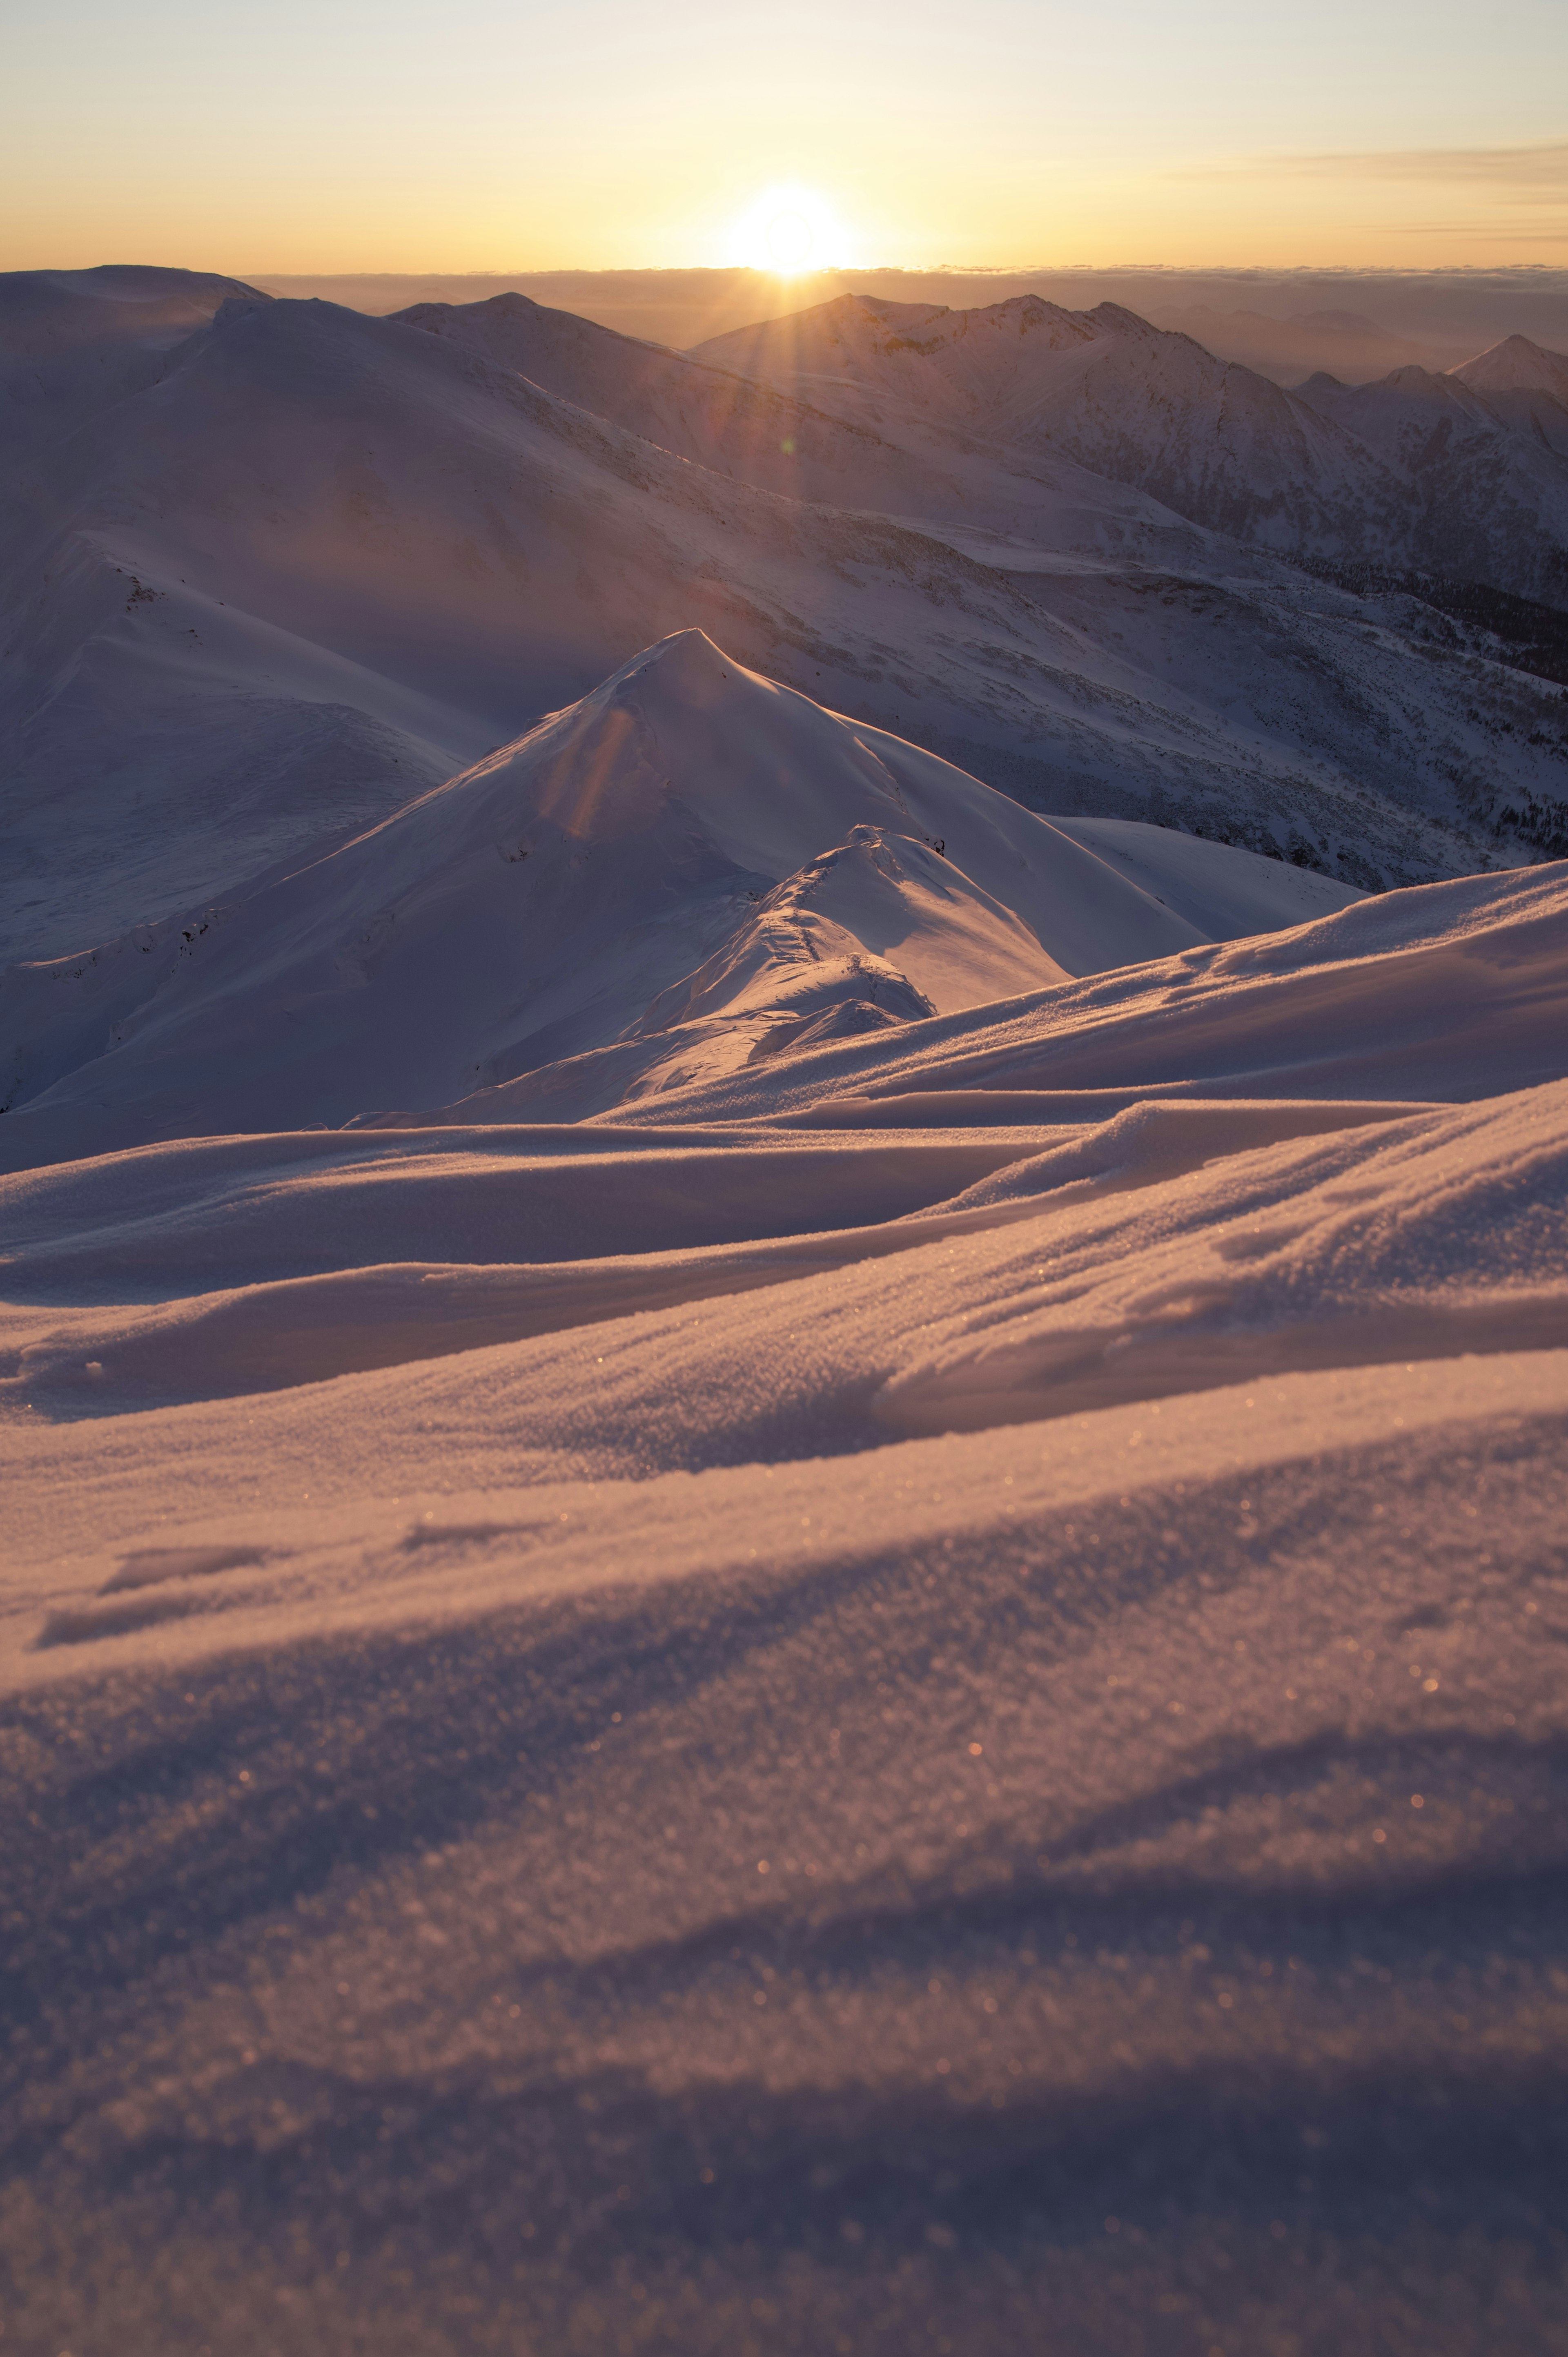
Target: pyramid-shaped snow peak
{"points": [[1516, 365], [537, 906]]}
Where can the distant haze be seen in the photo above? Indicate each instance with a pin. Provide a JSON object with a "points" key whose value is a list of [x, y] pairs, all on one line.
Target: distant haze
{"points": [[1287, 324]]}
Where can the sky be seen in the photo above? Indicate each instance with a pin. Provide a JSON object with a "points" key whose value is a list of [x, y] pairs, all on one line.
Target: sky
{"points": [[502, 134]]}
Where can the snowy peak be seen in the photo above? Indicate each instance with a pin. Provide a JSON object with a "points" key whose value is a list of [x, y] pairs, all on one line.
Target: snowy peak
{"points": [[687, 843], [1516, 365]]}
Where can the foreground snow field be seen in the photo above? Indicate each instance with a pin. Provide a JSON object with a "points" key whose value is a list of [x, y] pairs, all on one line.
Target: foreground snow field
{"points": [[906, 1699]]}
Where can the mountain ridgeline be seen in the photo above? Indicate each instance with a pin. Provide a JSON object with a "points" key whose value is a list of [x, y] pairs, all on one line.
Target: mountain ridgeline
{"points": [[274, 569]]}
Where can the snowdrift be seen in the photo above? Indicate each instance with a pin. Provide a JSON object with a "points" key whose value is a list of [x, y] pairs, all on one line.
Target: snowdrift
{"points": [[932, 1700], [1452, 991]]}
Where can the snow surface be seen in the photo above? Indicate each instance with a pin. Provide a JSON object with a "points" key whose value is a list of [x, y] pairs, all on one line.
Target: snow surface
{"points": [[906, 1696]]}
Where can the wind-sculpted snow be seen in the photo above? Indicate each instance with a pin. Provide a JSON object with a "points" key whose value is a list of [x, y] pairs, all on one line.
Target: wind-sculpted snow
{"points": [[860, 1790], [1453, 991]]}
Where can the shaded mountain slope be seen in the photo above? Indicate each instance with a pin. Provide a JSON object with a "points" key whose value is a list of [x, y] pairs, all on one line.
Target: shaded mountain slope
{"points": [[1310, 473], [1488, 492], [310, 563], [1135, 402]]}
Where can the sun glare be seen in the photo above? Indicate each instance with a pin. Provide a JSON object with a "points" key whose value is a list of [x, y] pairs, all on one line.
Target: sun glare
{"points": [[789, 230]]}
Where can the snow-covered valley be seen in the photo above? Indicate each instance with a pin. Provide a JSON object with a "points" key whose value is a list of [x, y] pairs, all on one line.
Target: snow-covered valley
{"points": [[784, 1482]]}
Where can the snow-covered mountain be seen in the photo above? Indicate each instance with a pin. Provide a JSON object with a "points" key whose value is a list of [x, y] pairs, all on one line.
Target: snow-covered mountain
{"points": [[1323, 472], [1516, 365], [1526, 386], [301, 564], [1135, 402], [690, 869], [1485, 478]]}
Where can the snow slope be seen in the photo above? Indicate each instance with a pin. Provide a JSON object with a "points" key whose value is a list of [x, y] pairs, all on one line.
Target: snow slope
{"points": [[692, 861], [910, 1692], [732, 424], [1516, 365], [1478, 478], [304, 564], [1325, 471]]}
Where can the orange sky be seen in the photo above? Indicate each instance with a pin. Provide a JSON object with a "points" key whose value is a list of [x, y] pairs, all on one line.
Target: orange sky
{"points": [[334, 134]]}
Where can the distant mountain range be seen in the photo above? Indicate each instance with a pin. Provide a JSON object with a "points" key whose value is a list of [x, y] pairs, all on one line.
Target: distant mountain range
{"points": [[272, 568], [1318, 473], [1346, 344], [1441, 316]]}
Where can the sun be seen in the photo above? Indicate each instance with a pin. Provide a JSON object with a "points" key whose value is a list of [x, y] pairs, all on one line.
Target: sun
{"points": [[789, 242], [788, 230]]}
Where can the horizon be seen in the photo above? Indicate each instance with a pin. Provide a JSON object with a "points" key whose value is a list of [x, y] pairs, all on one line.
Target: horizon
{"points": [[1435, 318]]}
